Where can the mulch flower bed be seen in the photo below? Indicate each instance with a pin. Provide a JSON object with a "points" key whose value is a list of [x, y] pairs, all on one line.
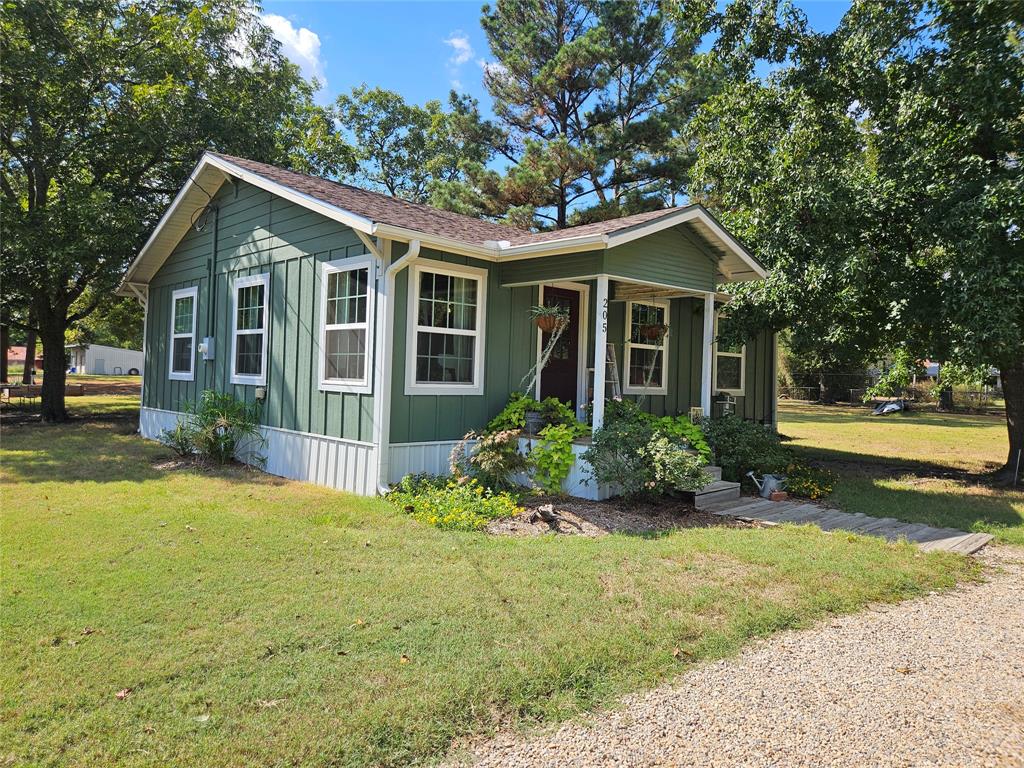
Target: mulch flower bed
{"points": [[599, 518]]}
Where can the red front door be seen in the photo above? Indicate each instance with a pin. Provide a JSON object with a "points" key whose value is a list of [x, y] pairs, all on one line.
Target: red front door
{"points": [[559, 376]]}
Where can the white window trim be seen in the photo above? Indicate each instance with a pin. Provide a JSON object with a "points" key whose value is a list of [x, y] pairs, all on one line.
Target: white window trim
{"points": [[190, 374], [742, 355], [412, 387], [662, 387], [363, 385], [244, 282]]}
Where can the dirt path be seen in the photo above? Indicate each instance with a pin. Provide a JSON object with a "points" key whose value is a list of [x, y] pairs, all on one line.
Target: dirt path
{"points": [[932, 682]]}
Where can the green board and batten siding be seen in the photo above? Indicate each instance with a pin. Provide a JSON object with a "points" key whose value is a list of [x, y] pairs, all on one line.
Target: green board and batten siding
{"points": [[257, 232], [672, 257], [669, 257]]}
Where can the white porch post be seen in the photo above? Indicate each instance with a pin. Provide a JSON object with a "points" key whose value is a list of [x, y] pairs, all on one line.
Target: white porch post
{"points": [[706, 361], [600, 352]]}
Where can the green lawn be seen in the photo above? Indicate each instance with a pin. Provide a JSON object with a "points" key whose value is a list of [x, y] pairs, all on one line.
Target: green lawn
{"points": [[918, 467], [262, 622]]}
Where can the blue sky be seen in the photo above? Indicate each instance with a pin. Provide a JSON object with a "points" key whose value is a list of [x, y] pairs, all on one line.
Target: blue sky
{"points": [[419, 49]]}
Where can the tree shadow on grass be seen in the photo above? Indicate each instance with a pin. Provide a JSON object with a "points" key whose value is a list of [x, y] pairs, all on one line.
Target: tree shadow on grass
{"points": [[109, 451], [850, 415], [875, 465], [943, 503]]}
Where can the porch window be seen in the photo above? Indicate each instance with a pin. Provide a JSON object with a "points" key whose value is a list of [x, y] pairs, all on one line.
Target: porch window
{"points": [[347, 299], [446, 314], [646, 347], [249, 337], [183, 334], [730, 366]]}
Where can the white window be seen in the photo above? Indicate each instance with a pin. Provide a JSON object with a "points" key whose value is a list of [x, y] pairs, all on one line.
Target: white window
{"points": [[446, 330], [249, 337], [346, 311], [730, 366], [646, 347], [183, 334]]}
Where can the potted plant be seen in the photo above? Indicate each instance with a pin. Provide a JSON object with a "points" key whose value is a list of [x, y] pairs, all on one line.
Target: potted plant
{"points": [[549, 319]]}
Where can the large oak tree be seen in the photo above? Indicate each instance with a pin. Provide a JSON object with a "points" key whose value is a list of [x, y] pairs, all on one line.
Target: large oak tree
{"points": [[880, 177], [106, 106]]}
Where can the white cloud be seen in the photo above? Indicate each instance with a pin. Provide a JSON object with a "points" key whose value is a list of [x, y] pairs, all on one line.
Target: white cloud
{"points": [[493, 68], [462, 50], [301, 45]]}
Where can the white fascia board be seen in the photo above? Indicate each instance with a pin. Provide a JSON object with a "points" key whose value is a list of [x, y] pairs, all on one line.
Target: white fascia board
{"points": [[168, 214], [553, 247], [690, 214]]}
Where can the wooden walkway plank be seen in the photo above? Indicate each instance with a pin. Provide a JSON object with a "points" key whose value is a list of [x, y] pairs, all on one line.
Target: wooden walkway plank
{"points": [[927, 538]]}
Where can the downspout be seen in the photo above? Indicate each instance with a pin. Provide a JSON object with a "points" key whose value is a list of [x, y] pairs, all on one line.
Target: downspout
{"points": [[385, 354]]}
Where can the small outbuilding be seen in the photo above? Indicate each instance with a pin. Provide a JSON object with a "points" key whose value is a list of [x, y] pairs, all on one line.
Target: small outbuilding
{"points": [[101, 360]]}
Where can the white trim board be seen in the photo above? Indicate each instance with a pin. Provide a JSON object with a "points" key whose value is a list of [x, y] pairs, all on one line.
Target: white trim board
{"points": [[190, 374], [413, 329], [328, 268]]}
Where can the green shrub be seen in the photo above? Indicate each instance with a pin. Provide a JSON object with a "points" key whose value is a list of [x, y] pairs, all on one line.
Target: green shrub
{"points": [[673, 468], [492, 460], [648, 455], [449, 504], [681, 428], [740, 446], [632, 454], [551, 457], [181, 439], [618, 455], [223, 427]]}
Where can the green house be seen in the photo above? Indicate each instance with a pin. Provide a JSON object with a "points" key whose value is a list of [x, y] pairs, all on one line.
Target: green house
{"points": [[377, 332]]}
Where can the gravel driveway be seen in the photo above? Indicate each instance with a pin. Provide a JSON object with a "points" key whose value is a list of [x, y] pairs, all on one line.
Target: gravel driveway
{"points": [[937, 681]]}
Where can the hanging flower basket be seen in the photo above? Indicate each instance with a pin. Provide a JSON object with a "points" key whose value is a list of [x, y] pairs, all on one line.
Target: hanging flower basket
{"points": [[654, 331], [550, 319], [548, 323]]}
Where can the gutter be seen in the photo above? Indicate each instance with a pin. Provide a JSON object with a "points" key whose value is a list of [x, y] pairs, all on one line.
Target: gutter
{"points": [[382, 390]]}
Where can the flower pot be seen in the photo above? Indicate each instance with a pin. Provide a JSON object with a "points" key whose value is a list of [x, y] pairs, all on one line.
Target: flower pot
{"points": [[535, 422], [548, 323], [653, 332]]}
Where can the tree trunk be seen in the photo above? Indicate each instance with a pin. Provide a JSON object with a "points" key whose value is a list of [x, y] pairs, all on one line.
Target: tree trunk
{"points": [[5, 343], [54, 372], [30, 357], [1013, 393]]}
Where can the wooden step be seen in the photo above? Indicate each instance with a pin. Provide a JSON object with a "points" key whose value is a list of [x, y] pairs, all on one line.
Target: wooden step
{"points": [[713, 493]]}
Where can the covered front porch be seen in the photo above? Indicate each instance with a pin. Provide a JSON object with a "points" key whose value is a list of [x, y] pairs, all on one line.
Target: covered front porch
{"points": [[631, 339]]}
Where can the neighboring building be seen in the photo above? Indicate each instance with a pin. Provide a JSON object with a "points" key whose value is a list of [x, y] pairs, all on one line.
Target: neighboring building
{"points": [[101, 360], [377, 332], [16, 356]]}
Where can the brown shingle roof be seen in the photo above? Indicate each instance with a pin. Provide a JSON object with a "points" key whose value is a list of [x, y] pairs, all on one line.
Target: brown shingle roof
{"points": [[597, 228], [385, 209]]}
